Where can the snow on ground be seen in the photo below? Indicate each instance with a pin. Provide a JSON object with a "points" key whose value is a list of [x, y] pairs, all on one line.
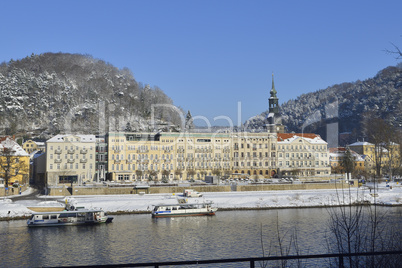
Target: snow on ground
{"points": [[222, 200]]}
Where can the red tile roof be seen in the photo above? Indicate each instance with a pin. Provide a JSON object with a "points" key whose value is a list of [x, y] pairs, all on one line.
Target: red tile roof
{"points": [[284, 136]]}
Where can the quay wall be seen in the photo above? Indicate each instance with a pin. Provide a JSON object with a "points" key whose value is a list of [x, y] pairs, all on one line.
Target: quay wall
{"points": [[65, 190], [12, 190]]}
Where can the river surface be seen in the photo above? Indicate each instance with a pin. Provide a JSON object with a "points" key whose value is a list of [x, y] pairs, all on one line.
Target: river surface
{"points": [[140, 238]]}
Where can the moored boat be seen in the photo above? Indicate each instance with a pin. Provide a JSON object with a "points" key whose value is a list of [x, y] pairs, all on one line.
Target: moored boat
{"points": [[184, 209], [69, 217]]}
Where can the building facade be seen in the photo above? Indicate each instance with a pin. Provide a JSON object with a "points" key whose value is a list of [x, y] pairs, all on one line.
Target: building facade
{"points": [[101, 159], [31, 146], [138, 156], [303, 155], [70, 159]]}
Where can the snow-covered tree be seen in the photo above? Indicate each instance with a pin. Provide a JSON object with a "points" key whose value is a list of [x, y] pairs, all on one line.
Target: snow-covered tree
{"points": [[189, 121]]}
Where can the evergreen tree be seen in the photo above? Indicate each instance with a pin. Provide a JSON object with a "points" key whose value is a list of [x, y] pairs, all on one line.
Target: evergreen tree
{"points": [[189, 121], [128, 127]]}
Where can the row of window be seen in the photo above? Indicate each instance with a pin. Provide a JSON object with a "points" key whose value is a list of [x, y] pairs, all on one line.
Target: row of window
{"points": [[302, 147], [303, 163], [305, 155], [254, 164], [248, 154], [69, 166], [83, 156], [71, 147]]}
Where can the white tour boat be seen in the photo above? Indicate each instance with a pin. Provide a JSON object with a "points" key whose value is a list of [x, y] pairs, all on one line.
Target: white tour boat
{"points": [[69, 217], [184, 209]]}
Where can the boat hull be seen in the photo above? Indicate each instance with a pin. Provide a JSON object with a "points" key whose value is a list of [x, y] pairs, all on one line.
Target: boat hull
{"points": [[169, 215], [60, 224]]}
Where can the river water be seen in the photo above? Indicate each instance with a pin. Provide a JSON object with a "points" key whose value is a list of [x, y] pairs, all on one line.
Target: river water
{"points": [[140, 238]]}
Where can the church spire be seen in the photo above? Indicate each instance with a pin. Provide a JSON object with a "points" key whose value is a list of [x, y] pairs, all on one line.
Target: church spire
{"points": [[273, 91]]}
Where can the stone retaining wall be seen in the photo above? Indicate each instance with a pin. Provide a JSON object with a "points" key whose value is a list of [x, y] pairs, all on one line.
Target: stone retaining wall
{"points": [[105, 190], [10, 192]]}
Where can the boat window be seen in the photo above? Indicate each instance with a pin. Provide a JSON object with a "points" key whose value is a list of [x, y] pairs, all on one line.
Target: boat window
{"points": [[45, 217], [66, 215], [53, 216], [168, 208]]}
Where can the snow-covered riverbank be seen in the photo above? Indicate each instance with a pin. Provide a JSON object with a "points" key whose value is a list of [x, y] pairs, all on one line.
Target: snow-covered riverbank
{"points": [[222, 200]]}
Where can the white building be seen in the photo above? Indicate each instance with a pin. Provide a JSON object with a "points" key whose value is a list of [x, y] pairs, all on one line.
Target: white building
{"points": [[70, 159], [303, 155]]}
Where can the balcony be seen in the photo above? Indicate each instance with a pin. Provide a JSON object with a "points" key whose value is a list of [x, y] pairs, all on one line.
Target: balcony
{"points": [[70, 151], [57, 160], [83, 151], [71, 160], [57, 151], [83, 160]]}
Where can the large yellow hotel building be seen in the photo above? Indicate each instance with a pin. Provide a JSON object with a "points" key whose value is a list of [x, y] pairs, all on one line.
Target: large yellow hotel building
{"points": [[136, 156]]}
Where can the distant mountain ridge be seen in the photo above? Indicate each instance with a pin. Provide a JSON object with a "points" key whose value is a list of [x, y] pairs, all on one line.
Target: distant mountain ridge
{"points": [[346, 103], [43, 95]]}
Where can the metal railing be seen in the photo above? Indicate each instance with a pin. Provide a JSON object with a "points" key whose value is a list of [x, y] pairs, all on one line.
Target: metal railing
{"points": [[251, 261]]}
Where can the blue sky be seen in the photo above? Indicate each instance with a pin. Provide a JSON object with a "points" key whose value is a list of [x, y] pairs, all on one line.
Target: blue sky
{"points": [[210, 55]]}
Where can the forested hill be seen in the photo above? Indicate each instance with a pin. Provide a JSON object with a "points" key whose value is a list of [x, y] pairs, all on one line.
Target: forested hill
{"points": [[52, 93], [347, 103]]}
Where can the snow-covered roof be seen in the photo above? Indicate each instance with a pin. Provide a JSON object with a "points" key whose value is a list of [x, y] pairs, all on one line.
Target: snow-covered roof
{"points": [[72, 138], [13, 145], [361, 143], [308, 137], [340, 152]]}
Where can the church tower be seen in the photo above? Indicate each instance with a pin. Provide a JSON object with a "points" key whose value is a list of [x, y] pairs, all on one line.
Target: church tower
{"points": [[273, 101], [274, 118]]}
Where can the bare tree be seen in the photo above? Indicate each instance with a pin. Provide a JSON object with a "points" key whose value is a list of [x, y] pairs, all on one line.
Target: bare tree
{"points": [[356, 227], [165, 175], [379, 133], [178, 173], [395, 51], [138, 173], [191, 173], [348, 162]]}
